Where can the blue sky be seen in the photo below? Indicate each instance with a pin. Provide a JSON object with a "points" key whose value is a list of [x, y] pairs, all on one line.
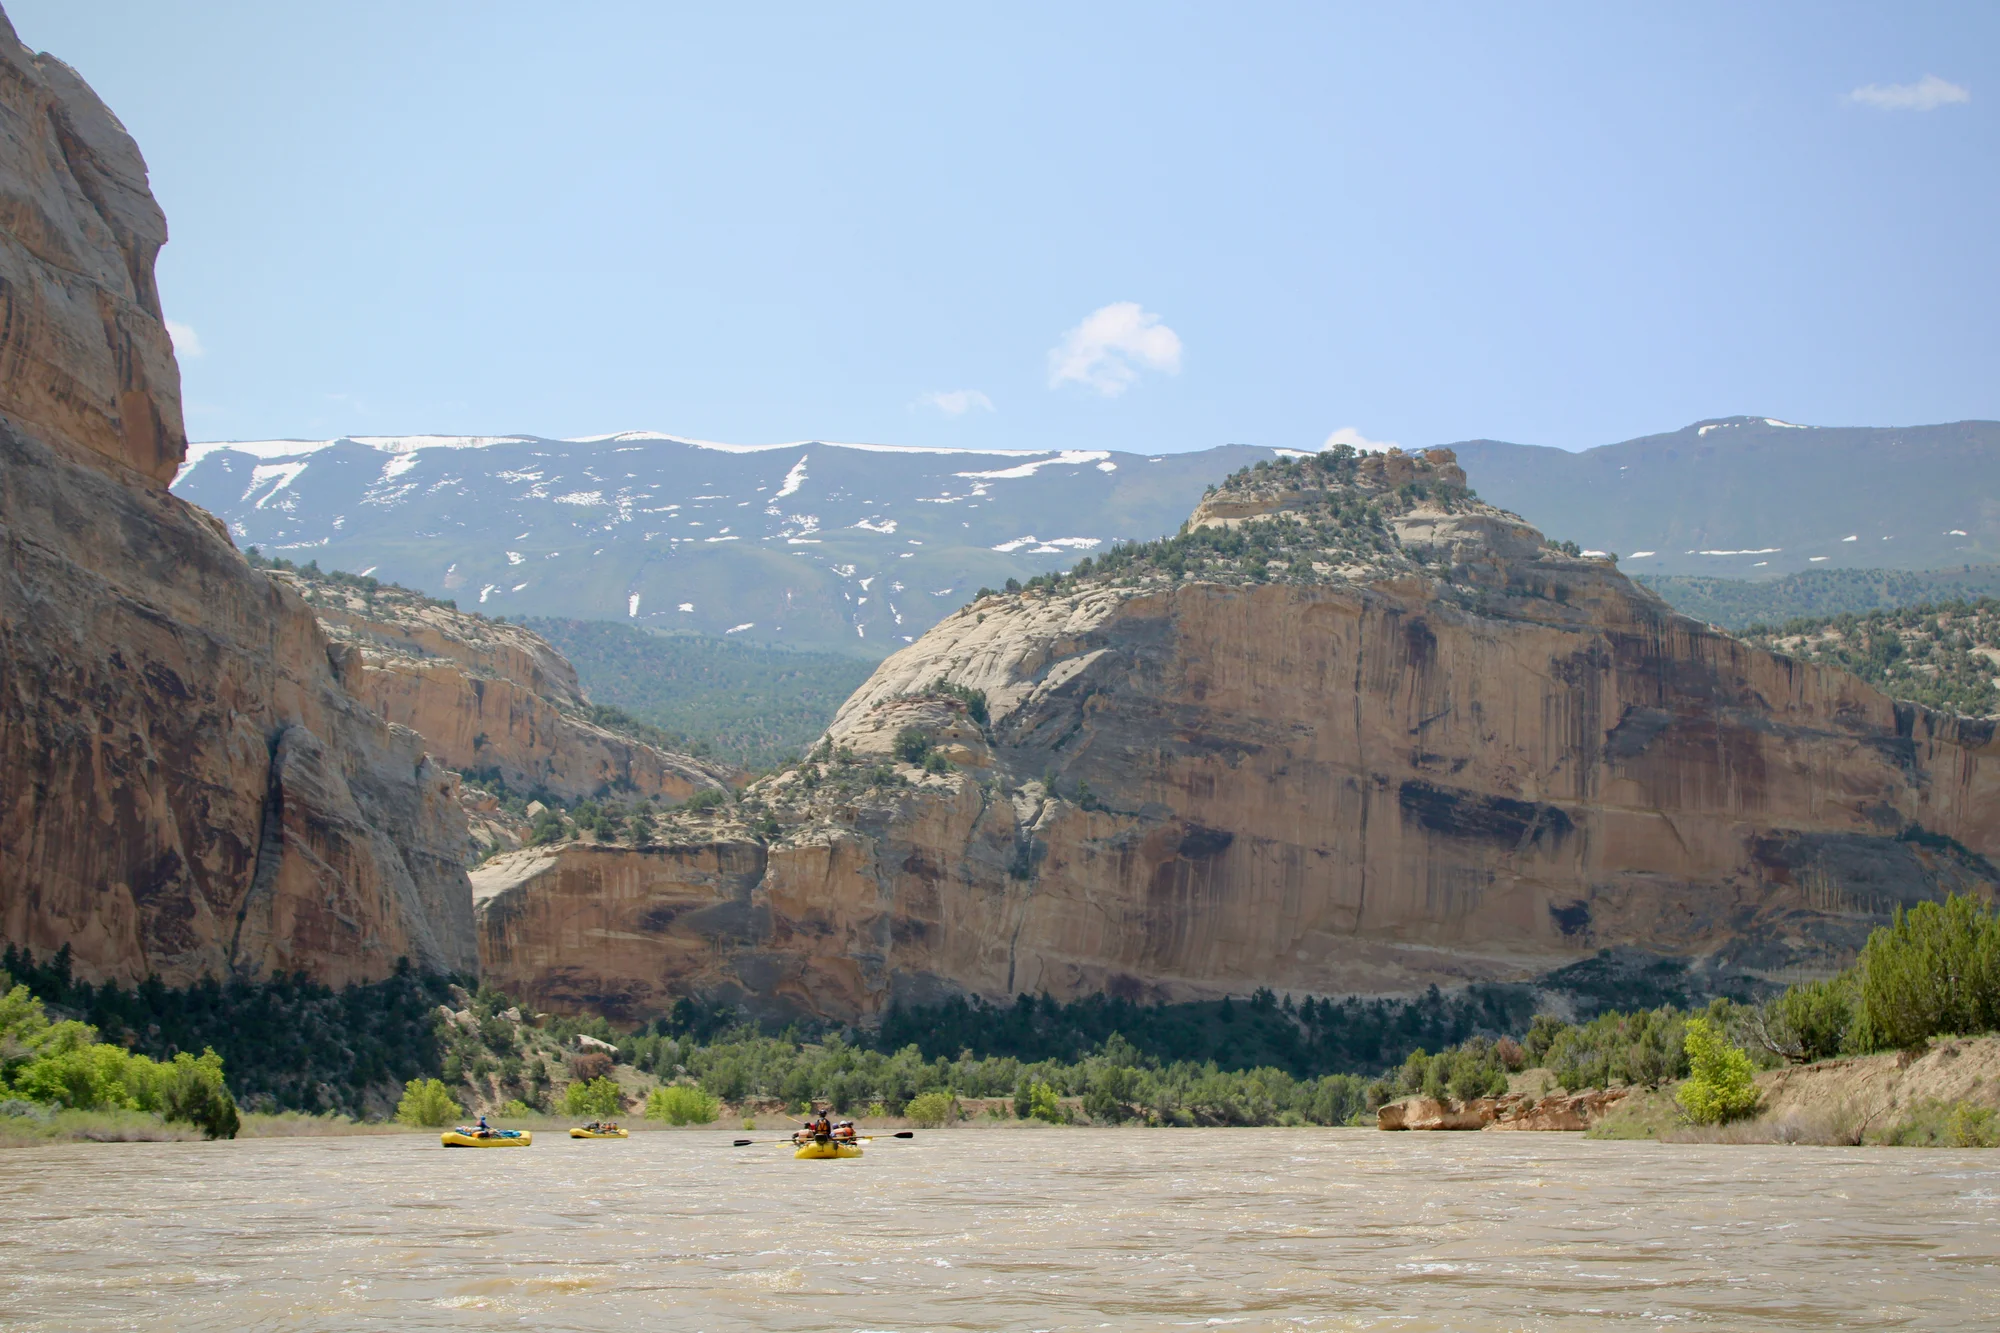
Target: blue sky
{"points": [[1130, 226]]}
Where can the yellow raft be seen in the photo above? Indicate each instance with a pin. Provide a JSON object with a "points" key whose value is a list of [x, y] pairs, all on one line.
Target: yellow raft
{"points": [[458, 1138], [581, 1133], [821, 1151]]}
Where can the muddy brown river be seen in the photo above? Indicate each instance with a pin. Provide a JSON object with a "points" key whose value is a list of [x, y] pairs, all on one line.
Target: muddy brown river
{"points": [[999, 1229]]}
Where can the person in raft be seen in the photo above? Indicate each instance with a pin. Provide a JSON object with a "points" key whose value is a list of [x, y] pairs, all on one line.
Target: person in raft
{"points": [[844, 1132], [815, 1127], [485, 1130]]}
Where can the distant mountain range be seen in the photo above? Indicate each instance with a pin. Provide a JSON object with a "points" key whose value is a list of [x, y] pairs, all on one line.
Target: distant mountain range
{"points": [[855, 547], [861, 548], [1750, 497]]}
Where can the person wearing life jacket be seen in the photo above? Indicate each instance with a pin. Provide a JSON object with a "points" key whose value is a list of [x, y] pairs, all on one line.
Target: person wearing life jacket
{"points": [[844, 1132], [485, 1130]]}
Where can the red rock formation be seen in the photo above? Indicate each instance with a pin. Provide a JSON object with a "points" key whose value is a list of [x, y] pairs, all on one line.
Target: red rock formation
{"points": [[185, 786], [1404, 741], [488, 696]]}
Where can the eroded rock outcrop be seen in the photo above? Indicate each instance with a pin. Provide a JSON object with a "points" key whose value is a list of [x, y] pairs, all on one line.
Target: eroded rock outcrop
{"points": [[185, 786], [1352, 731], [487, 696], [1570, 1112]]}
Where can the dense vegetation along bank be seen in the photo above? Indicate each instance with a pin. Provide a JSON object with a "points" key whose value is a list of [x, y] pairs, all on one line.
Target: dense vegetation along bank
{"points": [[51, 1066], [288, 1044], [1932, 975]]}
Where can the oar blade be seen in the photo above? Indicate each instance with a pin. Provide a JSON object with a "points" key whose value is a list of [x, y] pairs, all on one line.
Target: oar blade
{"points": [[742, 1143], [905, 1134]]}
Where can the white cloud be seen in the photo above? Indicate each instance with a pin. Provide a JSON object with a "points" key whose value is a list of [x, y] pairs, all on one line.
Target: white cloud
{"points": [[956, 402], [1110, 348], [1926, 94], [186, 341], [1360, 443]]}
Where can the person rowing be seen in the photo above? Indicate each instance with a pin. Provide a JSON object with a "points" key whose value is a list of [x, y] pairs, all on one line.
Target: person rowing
{"points": [[817, 1129], [843, 1132]]}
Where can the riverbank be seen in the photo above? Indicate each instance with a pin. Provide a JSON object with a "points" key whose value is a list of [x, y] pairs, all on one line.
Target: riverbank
{"points": [[1947, 1095]]}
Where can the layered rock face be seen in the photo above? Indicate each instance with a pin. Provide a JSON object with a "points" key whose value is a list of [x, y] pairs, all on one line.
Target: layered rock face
{"points": [[488, 697], [185, 785], [1353, 731]]}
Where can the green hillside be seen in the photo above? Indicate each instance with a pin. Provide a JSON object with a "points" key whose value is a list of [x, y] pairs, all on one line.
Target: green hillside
{"points": [[1944, 655], [749, 704], [1737, 604]]}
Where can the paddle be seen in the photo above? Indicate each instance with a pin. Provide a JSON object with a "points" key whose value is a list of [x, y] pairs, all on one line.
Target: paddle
{"points": [[863, 1138]]}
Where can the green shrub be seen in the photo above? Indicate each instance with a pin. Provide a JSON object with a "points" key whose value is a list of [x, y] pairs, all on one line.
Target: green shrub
{"points": [[708, 798], [1938, 1124], [1472, 1069], [682, 1104], [1645, 1048], [194, 1094], [1808, 1022], [514, 1109], [1044, 1105], [1721, 1083], [1934, 971], [427, 1104], [596, 1097], [1973, 1127], [912, 744], [974, 700], [931, 1110]]}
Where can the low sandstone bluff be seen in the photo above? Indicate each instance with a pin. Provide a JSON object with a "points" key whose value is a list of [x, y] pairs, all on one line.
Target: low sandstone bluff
{"points": [[1570, 1112], [488, 697], [1405, 740], [187, 788]]}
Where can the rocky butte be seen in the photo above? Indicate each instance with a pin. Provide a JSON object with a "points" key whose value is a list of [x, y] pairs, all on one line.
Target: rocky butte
{"points": [[187, 784], [1353, 730]]}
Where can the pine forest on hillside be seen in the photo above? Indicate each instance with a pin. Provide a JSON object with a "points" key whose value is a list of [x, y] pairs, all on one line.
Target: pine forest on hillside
{"points": [[742, 702], [1737, 604], [1945, 656]]}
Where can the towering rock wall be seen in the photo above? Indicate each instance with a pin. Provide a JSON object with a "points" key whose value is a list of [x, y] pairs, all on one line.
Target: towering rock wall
{"points": [[487, 696], [1354, 731], [186, 787]]}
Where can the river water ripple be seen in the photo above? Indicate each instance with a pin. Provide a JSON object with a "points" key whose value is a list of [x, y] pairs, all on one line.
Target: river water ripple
{"points": [[1000, 1229]]}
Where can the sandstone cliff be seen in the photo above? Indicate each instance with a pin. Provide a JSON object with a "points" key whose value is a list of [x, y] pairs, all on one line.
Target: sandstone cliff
{"points": [[185, 785], [487, 696], [1352, 731]]}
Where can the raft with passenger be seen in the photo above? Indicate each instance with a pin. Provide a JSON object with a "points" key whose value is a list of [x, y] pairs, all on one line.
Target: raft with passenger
{"points": [[473, 1136], [608, 1129], [821, 1139], [813, 1150]]}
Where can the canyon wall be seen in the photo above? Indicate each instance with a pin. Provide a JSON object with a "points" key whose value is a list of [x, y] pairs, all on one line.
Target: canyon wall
{"points": [[186, 786], [1354, 732], [488, 697]]}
